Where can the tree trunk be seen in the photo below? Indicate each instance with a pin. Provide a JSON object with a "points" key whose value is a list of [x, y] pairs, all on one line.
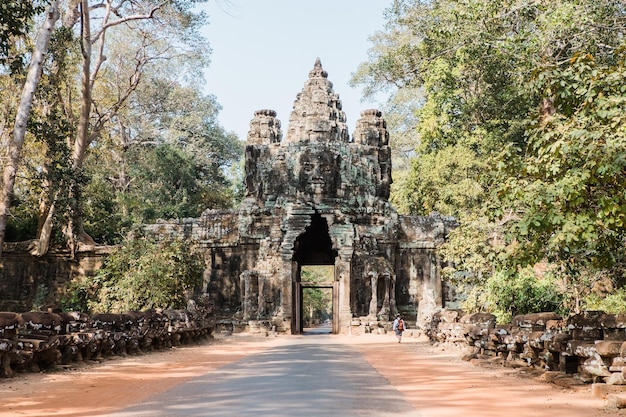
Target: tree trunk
{"points": [[73, 229], [23, 111]]}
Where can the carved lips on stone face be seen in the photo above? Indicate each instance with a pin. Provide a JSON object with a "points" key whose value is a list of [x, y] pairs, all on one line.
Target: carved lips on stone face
{"points": [[318, 172]]}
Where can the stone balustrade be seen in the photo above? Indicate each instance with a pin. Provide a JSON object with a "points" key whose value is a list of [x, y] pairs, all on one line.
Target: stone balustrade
{"points": [[39, 340], [591, 346]]}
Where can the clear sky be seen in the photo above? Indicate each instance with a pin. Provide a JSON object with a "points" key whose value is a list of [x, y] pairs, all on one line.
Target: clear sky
{"points": [[263, 51]]}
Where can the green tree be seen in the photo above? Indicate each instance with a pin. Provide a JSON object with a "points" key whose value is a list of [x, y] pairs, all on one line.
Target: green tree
{"points": [[139, 275], [120, 41], [466, 70], [509, 294], [570, 194], [16, 18], [167, 158], [15, 140]]}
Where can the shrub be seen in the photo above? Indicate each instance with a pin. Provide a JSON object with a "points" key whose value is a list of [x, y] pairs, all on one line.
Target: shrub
{"points": [[508, 294], [140, 274]]}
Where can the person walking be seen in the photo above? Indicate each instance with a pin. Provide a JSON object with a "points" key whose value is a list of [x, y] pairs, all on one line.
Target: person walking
{"points": [[398, 327]]}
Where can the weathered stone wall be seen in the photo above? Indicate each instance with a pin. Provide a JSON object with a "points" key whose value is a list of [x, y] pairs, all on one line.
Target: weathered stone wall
{"points": [[590, 345], [45, 340], [29, 282]]}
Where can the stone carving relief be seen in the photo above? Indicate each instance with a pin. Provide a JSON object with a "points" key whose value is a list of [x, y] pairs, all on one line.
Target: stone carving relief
{"points": [[314, 196]]}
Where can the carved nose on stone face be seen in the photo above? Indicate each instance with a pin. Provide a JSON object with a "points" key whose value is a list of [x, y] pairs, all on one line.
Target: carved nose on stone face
{"points": [[317, 175]]}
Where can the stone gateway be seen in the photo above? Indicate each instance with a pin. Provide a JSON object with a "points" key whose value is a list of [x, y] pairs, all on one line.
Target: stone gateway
{"points": [[318, 197]]}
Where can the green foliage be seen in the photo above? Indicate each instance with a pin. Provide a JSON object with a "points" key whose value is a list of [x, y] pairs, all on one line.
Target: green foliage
{"points": [[614, 303], [447, 181], [22, 225], [177, 163], [78, 295], [15, 20], [519, 112], [316, 305], [317, 302], [507, 295], [570, 192], [472, 250], [141, 274], [317, 273], [103, 217]]}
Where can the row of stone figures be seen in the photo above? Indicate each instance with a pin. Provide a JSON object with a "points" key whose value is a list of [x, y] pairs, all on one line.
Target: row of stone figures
{"points": [[38, 340], [590, 345]]}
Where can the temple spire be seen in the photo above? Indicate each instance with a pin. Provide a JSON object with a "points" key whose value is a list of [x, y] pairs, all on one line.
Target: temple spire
{"points": [[317, 115], [318, 71]]}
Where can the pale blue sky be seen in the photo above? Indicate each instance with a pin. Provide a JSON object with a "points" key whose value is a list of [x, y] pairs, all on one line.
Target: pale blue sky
{"points": [[263, 51]]}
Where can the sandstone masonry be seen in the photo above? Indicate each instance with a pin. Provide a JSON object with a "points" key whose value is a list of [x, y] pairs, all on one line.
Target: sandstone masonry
{"points": [[317, 197]]}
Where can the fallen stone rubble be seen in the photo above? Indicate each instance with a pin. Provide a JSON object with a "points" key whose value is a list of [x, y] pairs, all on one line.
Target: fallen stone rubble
{"points": [[36, 341], [589, 347]]}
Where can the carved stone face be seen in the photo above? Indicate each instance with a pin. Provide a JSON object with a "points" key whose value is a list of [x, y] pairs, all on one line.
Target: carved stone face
{"points": [[318, 172]]}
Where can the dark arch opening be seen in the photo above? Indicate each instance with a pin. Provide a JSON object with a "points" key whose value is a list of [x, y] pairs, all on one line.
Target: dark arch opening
{"points": [[313, 247]]}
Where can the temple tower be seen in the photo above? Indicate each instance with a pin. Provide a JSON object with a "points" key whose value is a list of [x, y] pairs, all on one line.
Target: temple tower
{"points": [[317, 196]]}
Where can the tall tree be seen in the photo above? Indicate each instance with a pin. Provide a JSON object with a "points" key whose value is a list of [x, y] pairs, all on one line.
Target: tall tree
{"points": [[570, 192], [471, 66], [157, 31], [19, 129]]}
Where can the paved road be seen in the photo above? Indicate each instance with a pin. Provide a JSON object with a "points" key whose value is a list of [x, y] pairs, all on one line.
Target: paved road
{"points": [[310, 376]]}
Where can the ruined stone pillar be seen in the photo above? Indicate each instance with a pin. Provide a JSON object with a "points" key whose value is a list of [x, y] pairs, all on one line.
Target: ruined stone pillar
{"points": [[374, 289], [384, 310], [287, 273], [342, 274], [262, 302], [430, 299], [248, 282], [392, 297]]}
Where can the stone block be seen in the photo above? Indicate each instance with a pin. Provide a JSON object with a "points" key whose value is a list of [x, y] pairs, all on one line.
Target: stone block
{"points": [[618, 334], [616, 378], [558, 342], [536, 339], [617, 364], [608, 349], [588, 333], [486, 319], [622, 350], [595, 366], [449, 315], [521, 335], [556, 325], [586, 319], [535, 321], [581, 348], [613, 321]]}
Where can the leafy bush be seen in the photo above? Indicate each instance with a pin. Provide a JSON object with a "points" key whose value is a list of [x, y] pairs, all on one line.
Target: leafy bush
{"points": [[140, 274], [508, 294], [613, 303]]}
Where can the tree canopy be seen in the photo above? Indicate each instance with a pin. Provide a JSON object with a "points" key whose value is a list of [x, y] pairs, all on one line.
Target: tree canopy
{"points": [[120, 132], [517, 130]]}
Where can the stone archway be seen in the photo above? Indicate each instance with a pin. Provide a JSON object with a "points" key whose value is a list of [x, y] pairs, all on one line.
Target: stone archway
{"points": [[317, 197], [313, 247]]}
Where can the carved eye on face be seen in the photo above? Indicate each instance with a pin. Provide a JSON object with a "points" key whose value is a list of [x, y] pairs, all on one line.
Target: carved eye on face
{"points": [[326, 169]]}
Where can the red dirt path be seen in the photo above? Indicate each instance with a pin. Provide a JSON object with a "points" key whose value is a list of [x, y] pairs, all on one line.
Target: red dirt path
{"points": [[434, 380]]}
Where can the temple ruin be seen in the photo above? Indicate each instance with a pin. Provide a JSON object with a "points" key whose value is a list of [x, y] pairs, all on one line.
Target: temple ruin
{"points": [[317, 196]]}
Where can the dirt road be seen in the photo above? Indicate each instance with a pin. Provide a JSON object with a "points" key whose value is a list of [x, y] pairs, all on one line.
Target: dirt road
{"points": [[434, 381]]}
